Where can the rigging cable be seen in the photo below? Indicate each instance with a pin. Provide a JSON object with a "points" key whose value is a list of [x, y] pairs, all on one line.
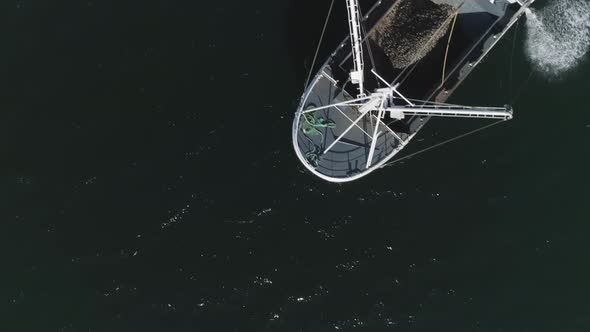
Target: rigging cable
{"points": [[511, 76], [319, 44], [520, 90], [443, 143], [530, 76], [368, 44], [523, 86], [514, 99]]}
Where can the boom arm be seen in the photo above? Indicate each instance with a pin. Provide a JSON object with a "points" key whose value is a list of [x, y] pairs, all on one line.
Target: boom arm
{"points": [[400, 112]]}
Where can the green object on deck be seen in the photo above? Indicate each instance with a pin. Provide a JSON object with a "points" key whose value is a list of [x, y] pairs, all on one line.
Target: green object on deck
{"points": [[312, 124], [313, 157], [311, 127]]}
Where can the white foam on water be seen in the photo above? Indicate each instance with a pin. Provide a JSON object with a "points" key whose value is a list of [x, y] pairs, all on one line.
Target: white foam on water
{"points": [[558, 36]]}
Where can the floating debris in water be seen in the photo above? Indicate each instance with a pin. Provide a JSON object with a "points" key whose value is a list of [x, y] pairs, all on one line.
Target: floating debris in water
{"points": [[24, 180], [349, 323], [262, 281], [348, 266], [300, 299], [327, 235], [89, 181], [263, 212], [240, 222], [176, 217]]}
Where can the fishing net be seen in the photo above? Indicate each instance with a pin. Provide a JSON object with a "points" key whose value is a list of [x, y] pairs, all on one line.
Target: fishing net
{"points": [[411, 29]]}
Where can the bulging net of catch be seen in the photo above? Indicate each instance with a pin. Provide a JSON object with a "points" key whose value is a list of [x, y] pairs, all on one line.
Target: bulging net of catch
{"points": [[411, 29]]}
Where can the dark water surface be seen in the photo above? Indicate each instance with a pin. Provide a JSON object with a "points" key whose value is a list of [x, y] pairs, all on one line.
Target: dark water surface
{"points": [[149, 184]]}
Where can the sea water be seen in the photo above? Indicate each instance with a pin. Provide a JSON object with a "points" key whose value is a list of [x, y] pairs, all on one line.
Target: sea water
{"points": [[558, 36]]}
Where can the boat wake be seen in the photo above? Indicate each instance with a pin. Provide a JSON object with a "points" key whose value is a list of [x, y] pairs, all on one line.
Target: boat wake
{"points": [[558, 36]]}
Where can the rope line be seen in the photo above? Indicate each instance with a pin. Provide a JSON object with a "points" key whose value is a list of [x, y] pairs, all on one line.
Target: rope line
{"points": [[444, 24], [311, 125], [447, 51], [319, 44]]}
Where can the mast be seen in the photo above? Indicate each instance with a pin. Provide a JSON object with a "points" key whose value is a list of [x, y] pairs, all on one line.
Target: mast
{"points": [[354, 22]]}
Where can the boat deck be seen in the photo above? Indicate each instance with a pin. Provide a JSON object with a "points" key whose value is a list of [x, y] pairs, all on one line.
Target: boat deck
{"points": [[478, 6], [433, 76], [349, 155]]}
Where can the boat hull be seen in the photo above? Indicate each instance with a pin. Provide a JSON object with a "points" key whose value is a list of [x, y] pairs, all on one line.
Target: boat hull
{"points": [[340, 151]]}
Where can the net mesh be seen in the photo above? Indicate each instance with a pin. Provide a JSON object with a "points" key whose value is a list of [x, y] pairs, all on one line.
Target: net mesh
{"points": [[411, 29]]}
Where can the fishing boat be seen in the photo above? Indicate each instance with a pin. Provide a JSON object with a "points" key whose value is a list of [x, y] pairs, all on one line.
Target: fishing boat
{"points": [[400, 63]]}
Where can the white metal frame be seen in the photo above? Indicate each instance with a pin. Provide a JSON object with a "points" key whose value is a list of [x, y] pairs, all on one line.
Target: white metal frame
{"points": [[382, 96], [356, 41]]}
